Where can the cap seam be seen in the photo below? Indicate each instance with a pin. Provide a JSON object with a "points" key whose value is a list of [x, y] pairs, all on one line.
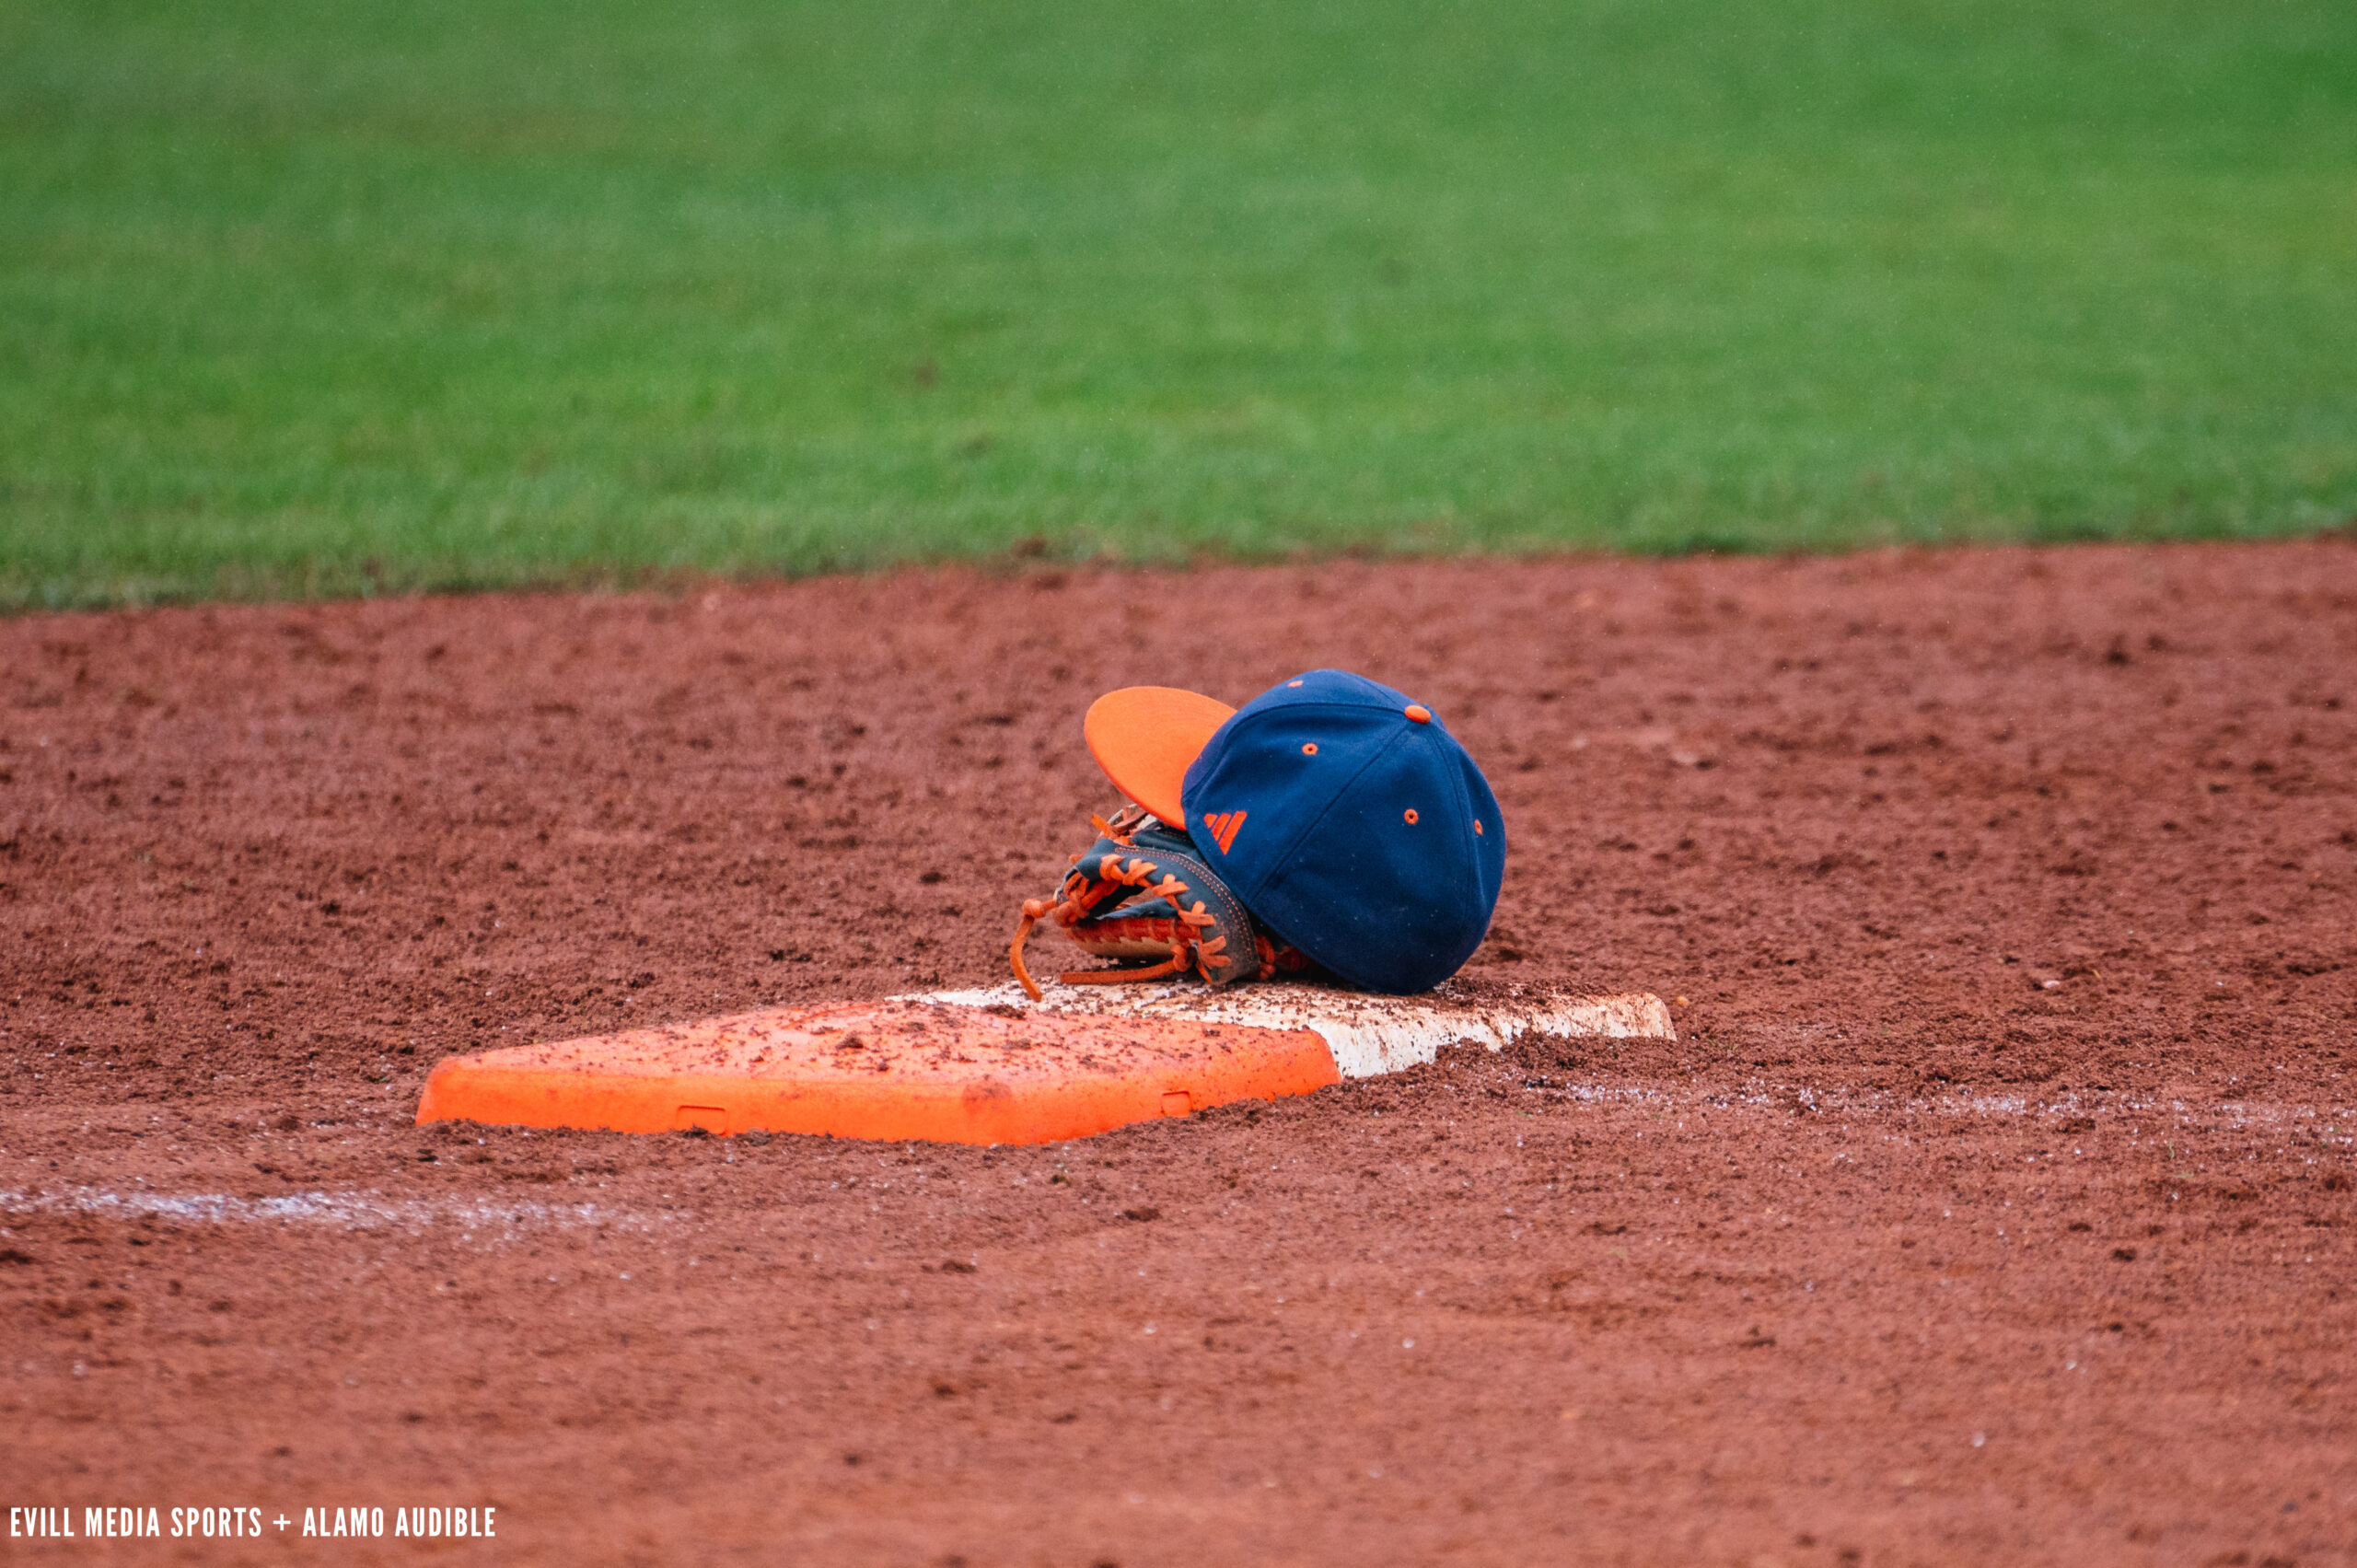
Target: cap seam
{"points": [[1294, 708], [1309, 827], [1469, 814], [1331, 703]]}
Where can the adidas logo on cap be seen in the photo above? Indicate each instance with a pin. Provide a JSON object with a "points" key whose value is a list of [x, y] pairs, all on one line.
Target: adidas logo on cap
{"points": [[1221, 826]]}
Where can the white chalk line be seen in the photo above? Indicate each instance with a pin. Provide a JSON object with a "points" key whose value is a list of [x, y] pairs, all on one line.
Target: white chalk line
{"points": [[2229, 1116], [343, 1211], [369, 1211]]}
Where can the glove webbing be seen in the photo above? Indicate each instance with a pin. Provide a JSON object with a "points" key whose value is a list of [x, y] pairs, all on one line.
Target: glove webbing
{"points": [[1101, 875]]}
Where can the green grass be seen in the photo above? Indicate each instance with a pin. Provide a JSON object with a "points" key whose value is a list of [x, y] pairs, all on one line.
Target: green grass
{"points": [[324, 296]]}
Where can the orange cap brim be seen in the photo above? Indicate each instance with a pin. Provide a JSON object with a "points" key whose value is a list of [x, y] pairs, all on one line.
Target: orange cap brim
{"points": [[1146, 736]]}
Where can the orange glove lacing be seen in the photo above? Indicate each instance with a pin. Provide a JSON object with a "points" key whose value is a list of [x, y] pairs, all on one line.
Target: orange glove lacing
{"points": [[1082, 893]]}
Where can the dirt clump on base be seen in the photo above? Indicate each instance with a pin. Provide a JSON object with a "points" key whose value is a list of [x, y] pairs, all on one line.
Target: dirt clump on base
{"points": [[1994, 1204]]}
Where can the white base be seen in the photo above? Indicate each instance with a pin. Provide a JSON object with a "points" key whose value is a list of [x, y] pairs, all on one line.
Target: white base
{"points": [[1368, 1035]]}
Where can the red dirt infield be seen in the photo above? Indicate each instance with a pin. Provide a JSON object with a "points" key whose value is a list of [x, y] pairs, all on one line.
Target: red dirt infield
{"points": [[1994, 1203]]}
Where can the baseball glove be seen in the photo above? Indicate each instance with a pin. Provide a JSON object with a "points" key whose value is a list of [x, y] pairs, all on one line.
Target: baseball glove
{"points": [[1142, 896]]}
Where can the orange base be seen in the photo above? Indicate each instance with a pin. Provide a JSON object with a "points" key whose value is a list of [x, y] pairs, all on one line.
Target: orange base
{"points": [[887, 1070]]}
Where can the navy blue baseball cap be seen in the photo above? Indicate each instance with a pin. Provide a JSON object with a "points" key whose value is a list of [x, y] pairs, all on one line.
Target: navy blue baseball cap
{"points": [[1350, 821]]}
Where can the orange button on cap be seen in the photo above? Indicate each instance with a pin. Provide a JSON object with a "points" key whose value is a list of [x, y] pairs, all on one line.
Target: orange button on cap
{"points": [[1420, 713]]}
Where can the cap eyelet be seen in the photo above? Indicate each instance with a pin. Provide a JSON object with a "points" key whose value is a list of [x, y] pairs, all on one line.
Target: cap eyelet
{"points": [[1412, 816], [1309, 748], [1293, 684], [1477, 826], [1419, 712]]}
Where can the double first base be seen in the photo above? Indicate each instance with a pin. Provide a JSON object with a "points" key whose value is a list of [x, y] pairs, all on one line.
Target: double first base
{"points": [[993, 1067]]}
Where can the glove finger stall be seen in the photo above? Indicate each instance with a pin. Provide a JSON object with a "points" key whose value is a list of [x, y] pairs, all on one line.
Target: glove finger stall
{"points": [[1153, 898]]}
